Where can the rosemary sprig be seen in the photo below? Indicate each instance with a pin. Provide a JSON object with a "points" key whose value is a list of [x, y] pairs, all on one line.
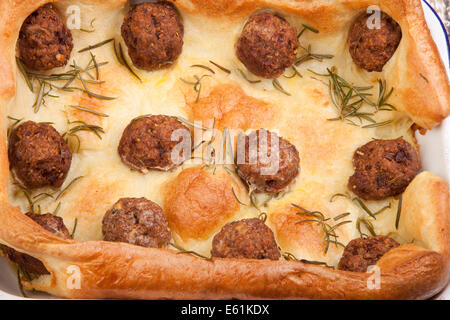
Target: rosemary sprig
{"points": [[423, 77], [74, 228], [399, 211], [263, 216], [247, 78], [383, 97], [40, 97], [91, 25], [294, 74], [13, 125], [197, 84], [89, 111], [369, 226], [220, 67], [309, 55], [306, 27], [203, 67], [237, 199], [378, 124], [55, 212], [78, 126], [277, 85], [290, 257], [26, 193], [365, 208], [95, 46], [70, 184], [334, 196], [348, 100], [329, 231], [120, 56], [184, 251], [47, 82], [24, 73]]}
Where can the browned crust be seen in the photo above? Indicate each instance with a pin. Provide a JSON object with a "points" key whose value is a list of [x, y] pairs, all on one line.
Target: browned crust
{"points": [[116, 270]]}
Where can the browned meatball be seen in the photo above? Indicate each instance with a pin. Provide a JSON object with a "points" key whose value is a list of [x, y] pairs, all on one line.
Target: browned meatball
{"points": [[383, 168], [137, 221], [38, 155], [268, 45], [362, 253], [146, 142], [372, 48], [271, 171], [26, 262], [44, 40], [153, 33], [246, 239]]}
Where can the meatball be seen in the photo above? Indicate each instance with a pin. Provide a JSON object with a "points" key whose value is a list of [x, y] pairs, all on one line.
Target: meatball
{"points": [[383, 168], [44, 40], [26, 262], [371, 47], [153, 33], [247, 239], [38, 155], [258, 167], [267, 45], [362, 253], [147, 143], [137, 221]]}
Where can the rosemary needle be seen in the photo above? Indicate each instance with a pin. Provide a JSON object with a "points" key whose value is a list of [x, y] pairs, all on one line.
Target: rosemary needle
{"points": [[95, 46]]}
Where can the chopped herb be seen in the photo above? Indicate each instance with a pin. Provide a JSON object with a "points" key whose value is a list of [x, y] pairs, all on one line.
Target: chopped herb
{"points": [[91, 25], [290, 257], [378, 124], [246, 78], [220, 67], [342, 215], [197, 85], [63, 191], [295, 73], [263, 216], [364, 207], [13, 125], [424, 78], [334, 196], [74, 227], [237, 199], [89, 110], [24, 73], [95, 46], [311, 56], [306, 27], [184, 251], [123, 61], [203, 67], [277, 85], [329, 231], [367, 224], [399, 211]]}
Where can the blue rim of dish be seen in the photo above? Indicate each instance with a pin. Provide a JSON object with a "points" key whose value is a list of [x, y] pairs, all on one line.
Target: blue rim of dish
{"points": [[442, 27]]}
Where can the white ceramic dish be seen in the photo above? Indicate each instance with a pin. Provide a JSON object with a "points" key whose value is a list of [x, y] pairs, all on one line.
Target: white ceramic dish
{"points": [[435, 150]]}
